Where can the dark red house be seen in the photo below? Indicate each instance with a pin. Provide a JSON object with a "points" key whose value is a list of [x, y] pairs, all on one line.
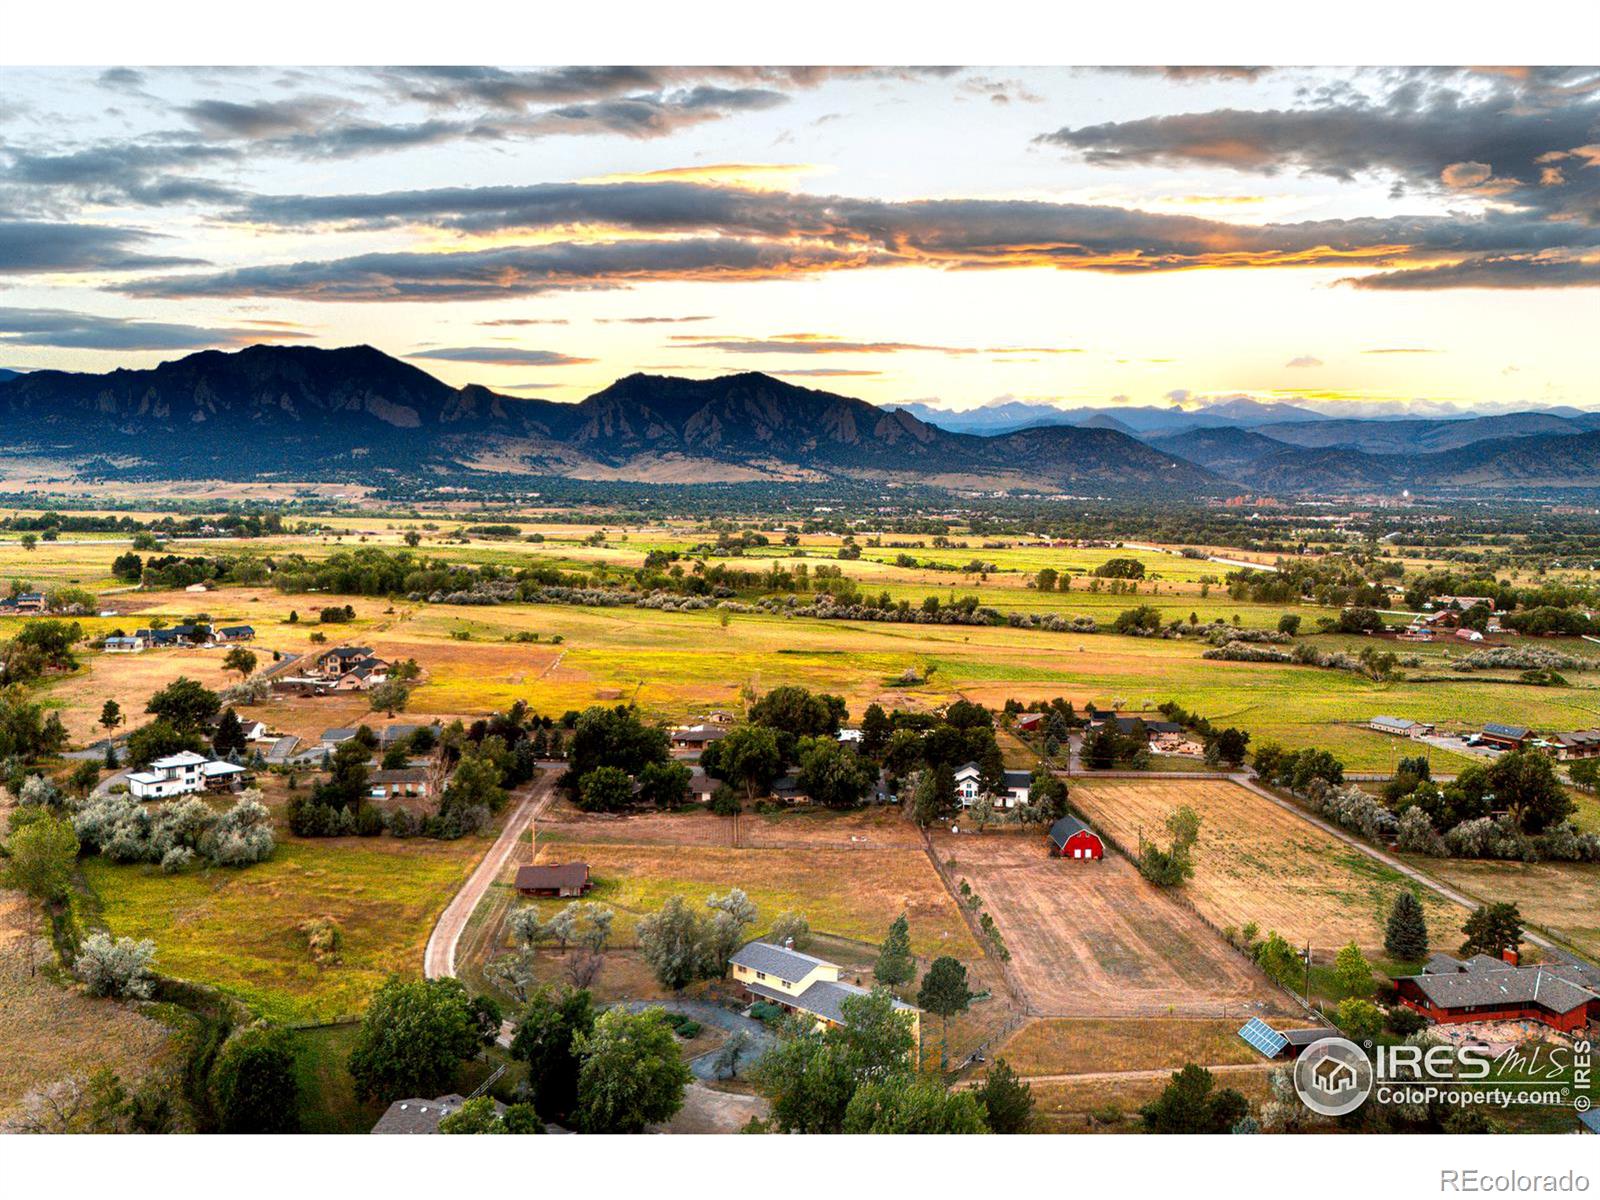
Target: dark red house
{"points": [[1564, 996], [1071, 838]]}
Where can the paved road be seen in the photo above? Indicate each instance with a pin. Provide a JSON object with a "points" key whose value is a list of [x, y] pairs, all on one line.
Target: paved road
{"points": [[439, 959]]}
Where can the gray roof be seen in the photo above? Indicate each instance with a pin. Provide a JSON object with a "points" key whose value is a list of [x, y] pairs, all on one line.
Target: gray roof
{"points": [[1304, 1037], [823, 998], [1019, 779], [400, 775], [1590, 1120], [1393, 722], [343, 734], [421, 1116], [788, 965], [1558, 988], [1065, 828], [1495, 729]]}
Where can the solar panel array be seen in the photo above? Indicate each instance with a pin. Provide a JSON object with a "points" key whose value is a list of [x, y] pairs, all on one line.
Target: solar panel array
{"points": [[1263, 1037]]}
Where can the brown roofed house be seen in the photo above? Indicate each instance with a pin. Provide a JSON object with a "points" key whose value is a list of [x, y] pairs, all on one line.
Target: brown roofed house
{"points": [[556, 879]]}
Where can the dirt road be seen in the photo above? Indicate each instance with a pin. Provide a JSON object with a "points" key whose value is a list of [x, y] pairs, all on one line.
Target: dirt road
{"points": [[439, 959]]}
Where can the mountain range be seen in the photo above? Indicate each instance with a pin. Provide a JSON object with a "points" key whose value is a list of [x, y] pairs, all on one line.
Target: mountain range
{"points": [[308, 413], [304, 413]]}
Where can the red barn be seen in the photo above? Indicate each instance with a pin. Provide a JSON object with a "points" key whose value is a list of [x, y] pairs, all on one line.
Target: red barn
{"points": [[1071, 838], [1564, 996]]}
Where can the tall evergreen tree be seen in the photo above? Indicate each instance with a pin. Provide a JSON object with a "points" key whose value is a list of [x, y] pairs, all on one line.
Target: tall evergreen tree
{"points": [[944, 992], [1406, 937], [895, 965]]}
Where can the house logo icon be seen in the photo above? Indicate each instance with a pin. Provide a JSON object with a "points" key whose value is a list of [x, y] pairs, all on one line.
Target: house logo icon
{"points": [[1333, 1077]]}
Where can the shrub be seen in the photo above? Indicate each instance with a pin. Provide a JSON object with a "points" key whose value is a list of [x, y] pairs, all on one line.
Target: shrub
{"points": [[119, 969]]}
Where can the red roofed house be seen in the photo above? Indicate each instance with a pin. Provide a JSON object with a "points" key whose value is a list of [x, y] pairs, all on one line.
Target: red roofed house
{"points": [[1564, 996]]}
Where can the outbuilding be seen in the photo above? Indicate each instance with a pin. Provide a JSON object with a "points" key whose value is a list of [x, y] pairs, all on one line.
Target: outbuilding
{"points": [[1071, 838], [556, 879]]}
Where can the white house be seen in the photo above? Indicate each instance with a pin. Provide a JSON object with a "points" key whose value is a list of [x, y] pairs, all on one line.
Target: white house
{"points": [[1014, 792], [182, 773], [124, 645]]}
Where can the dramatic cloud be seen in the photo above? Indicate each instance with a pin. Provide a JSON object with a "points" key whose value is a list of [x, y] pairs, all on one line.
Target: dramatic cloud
{"points": [[508, 322], [1499, 271], [501, 356], [28, 247], [1425, 135], [262, 119], [57, 328], [1400, 350], [520, 270], [810, 232], [1304, 360], [115, 173]]}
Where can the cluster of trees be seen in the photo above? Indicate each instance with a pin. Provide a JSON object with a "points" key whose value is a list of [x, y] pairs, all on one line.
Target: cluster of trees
{"points": [[39, 646], [1515, 807], [682, 944], [1296, 770], [177, 831], [859, 1077], [27, 732], [616, 1072], [1174, 865]]}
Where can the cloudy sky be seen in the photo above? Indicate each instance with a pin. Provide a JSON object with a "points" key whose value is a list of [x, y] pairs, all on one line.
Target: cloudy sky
{"points": [[1361, 240]]}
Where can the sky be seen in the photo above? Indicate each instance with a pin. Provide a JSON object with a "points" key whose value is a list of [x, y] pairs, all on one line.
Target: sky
{"points": [[1360, 241]]}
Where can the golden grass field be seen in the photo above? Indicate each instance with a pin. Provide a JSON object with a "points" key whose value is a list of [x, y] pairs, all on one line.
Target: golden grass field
{"points": [[852, 894], [1061, 1046], [1066, 1106], [1257, 862], [677, 665]]}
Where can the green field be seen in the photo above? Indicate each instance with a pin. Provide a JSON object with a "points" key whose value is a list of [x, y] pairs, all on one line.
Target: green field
{"points": [[238, 929]]}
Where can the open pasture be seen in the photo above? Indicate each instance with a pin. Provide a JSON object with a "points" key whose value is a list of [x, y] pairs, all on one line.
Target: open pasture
{"points": [[1258, 862], [1075, 1044], [1094, 939], [238, 930]]}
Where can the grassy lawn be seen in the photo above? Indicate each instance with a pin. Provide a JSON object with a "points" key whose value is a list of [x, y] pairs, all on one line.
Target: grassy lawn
{"points": [[238, 930]]}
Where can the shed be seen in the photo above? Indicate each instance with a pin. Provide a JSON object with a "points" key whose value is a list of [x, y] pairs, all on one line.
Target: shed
{"points": [[556, 879]]}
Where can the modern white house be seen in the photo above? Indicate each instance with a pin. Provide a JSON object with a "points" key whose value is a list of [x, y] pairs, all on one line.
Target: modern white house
{"points": [[182, 773], [1014, 792]]}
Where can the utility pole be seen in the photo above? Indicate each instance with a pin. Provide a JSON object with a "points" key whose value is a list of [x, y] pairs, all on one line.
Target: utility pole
{"points": [[1308, 972]]}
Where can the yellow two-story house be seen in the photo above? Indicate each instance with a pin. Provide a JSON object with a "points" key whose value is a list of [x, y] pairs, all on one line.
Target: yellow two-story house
{"points": [[802, 983]]}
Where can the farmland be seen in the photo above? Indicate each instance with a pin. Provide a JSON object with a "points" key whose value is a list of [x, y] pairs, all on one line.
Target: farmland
{"points": [[1255, 861], [658, 659], [1094, 939]]}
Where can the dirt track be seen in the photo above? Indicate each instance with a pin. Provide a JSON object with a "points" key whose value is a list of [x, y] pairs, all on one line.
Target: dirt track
{"points": [[439, 959]]}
